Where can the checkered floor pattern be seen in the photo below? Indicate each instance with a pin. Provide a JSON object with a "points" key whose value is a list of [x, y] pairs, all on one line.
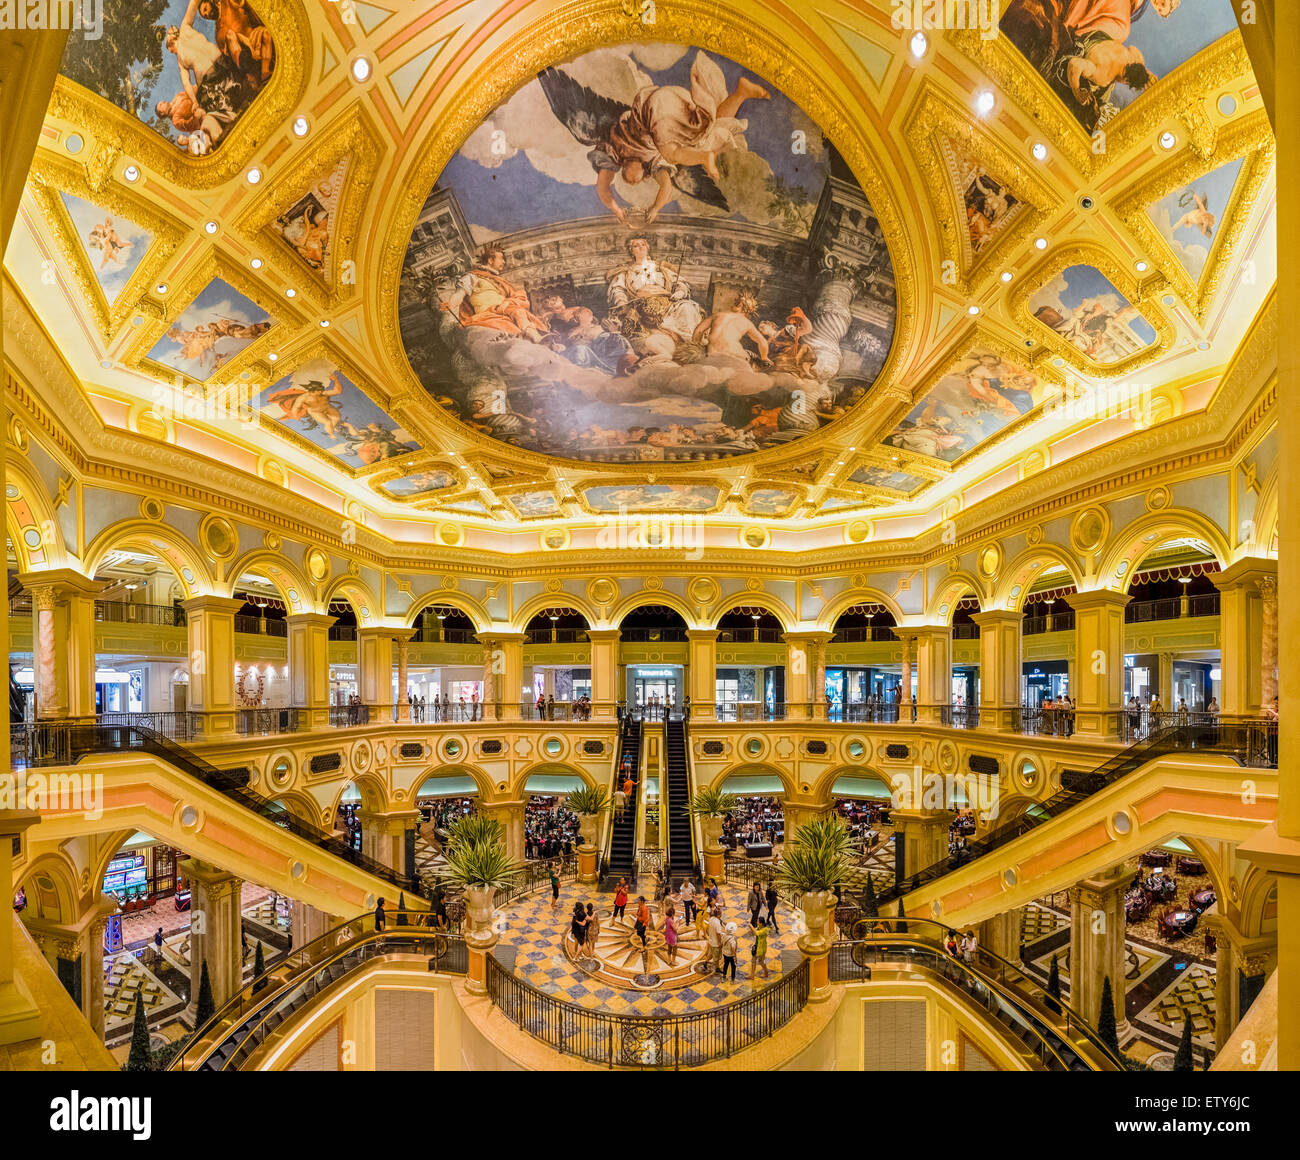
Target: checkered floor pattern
{"points": [[1192, 992], [125, 977], [537, 933]]}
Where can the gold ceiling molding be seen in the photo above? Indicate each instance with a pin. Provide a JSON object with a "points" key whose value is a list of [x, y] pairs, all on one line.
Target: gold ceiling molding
{"points": [[288, 321], [935, 117], [121, 134], [622, 481], [1142, 295], [52, 174], [1208, 71], [577, 28], [1250, 138], [355, 139]]}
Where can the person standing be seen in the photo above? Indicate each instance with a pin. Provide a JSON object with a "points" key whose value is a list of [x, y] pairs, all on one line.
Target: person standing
{"points": [[578, 928], [620, 803], [381, 919], [593, 929], [755, 903], [969, 945], [758, 951], [729, 948], [713, 938], [642, 918], [550, 707], [670, 935], [770, 897], [687, 893], [541, 706], [555, 886], [620, 900]]}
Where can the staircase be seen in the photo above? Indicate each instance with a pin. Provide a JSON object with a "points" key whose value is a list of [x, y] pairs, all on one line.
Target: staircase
{"points": [[681, 855], [622, 832]]}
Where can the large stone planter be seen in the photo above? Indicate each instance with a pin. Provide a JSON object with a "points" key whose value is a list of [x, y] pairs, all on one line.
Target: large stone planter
{"points": [[588, 824], [479, 904], [816, 905], [712, 828]]}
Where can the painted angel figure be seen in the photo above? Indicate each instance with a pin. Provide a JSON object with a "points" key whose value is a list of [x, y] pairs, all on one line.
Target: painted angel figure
{"points": [[1199, 218], [670, 134]]}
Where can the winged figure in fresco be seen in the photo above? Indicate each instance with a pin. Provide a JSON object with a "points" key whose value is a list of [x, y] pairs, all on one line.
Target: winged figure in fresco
{"points": [[669, 134]]}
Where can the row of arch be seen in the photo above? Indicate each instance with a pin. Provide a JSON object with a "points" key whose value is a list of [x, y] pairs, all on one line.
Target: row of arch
{"points": [[1008, 587]]}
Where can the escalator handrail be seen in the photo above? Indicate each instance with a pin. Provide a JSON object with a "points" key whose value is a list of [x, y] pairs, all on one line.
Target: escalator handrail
{"points": [[238, 1011], [84, 740], [1123, 763]]}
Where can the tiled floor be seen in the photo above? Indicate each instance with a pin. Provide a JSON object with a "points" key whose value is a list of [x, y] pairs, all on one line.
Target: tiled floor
{"points": [[538, 934]]}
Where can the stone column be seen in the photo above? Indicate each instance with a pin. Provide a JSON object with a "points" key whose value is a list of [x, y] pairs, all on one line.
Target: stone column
{"points": [[309, 667], [81, 941], [1241, 634], [933, 671], [1097, 926], [1165, 683], [922, 835], [20, 1018], [511, 816], [215, 931], [605, 672], [306, 923], [63, 643], [1000, 667], [905, 680], [806, 674], [211, 625], [403, 705], [1001, 934], [1098, 688], [1268, 642], [703, 659], [375, 672], [383, 837]]}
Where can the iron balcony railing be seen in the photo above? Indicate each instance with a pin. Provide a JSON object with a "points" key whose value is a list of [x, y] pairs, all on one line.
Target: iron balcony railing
{"points": [[261, 625], [173, 726], [862, 634], [555, 636], [1053, 622], [241, 1026], [432, 634], [960, 716], [666, 1042], [250, 722], [1171, 608], [342, 716]]}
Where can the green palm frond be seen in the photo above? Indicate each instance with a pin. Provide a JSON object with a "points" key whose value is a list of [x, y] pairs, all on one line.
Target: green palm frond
{"points": [[825, 833], [589, 800], [474, 828], [710, 802], [481, 864], [808, 868]]}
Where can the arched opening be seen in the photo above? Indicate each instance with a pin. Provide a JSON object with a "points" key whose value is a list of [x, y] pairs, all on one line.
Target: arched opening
{"points": [[1173, 580], [1045, 673], [444, 671], [261, 683], [750, 684], [863, 799], [344, 656], [559, 685], [550, 828], [442, 799], [653, 648], [965, 658], [756, 828], [864, 682]]}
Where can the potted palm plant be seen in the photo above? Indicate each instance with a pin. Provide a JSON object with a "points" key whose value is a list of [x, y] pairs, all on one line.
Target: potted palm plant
{"points": [[711, 805], [589, 802], [481, 868], [815, 864], [473, 828]]}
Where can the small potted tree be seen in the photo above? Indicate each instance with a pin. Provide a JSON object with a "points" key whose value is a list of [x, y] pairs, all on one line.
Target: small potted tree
{"points": [[481, 868], [589, 802], [816, 862], [711, 805]]}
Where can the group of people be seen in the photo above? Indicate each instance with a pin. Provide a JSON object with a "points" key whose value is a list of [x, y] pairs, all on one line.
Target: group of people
{"points": [[963, 946], [580, 710], [550, 830], [356, 709], [444, 708], [755, 820], [1058, 715]]}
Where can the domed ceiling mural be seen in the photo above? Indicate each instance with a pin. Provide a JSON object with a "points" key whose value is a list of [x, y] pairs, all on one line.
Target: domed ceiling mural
{"points": [[647, 254]]}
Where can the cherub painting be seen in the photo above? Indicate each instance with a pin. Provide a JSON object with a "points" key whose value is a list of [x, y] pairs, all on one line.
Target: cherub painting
{"points": [[218, 325], [113, 245], [1190, 218]]}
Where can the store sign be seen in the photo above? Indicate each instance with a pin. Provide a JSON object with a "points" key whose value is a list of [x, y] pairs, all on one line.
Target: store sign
{"points": [[656, 672]]}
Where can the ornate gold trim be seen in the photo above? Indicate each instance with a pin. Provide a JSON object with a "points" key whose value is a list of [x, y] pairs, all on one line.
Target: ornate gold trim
{"points": [[1249, 138]]}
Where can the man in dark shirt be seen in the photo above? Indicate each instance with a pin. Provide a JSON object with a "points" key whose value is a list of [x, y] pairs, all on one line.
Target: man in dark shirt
{"points": [[381, 919]]}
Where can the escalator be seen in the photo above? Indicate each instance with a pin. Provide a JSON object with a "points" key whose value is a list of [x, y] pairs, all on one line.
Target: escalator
{"points": [[1248, 742], [621, 861], [681, 848], [50, 744]]}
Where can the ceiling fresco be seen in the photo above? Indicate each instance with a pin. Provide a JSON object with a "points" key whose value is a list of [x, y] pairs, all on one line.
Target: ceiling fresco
{"points": [[620, 265], [763, 279]]}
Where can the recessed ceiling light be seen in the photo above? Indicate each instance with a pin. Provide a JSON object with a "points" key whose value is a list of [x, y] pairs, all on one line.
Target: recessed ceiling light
{"points": [[272, 357], [161, 287], [254, 175], [984, 101], [972, 309], [74, 143], [1039, 151], [211, 227], [301, 126], [1058, 362], [1202, 345], [325, 322], [1167, 140], [361, 70], [105, 363], [291, 293], [1140, 266], [138, 320], [131, 173], [1227, 104], [919, 45], [852, 448], [256, 263], [1040, 243], [1006, 275]]}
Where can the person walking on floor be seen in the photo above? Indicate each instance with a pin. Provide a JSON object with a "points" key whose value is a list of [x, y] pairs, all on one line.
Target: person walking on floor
{"points": [[555, 886], [754, 902], [758, 950], [770, 897], [713, 938], [729, 948], [687, 893], [620, 900], [670, 934], [642, 918]]}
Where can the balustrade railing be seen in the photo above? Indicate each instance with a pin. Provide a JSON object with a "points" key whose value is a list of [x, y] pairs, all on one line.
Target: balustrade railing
{"points": [[342, 716], [960, 716], [251, 722], [175, 726]]}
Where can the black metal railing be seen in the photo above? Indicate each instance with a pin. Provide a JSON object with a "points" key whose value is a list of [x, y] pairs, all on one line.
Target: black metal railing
{"points": [[555, 636], [965, 632], [1250, 741], [242, 1025], [65, 743], [124, 612], [750, 636], [174, 726], [960, 716], [1052, 622], [1057, 1035], [862, 634], [555, 711], [432, 634], [261, 625], [250, 722], [342, 716], [1171, 608], [645, 1041], [653, 636], [342, 632]]}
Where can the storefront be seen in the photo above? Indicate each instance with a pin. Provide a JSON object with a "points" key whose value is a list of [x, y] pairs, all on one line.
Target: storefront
{"points": [[142, 871], [1044, 681]]}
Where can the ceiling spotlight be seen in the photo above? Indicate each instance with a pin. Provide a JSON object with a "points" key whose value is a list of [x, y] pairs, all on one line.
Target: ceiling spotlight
{"points": [[131, 173], [161, 288], [272, 357], [1140, 266], [106, 363], [300, 126], [1167, 140], [1202, 345], [138, 320], [919, 45], [1006, 275], [1039, 151], [256, 263], [984, 102], [211, 227], [325, 322], [1040, 243], [254, 175], [75, 143], [361, 70], [290, 292], [972, 309]]}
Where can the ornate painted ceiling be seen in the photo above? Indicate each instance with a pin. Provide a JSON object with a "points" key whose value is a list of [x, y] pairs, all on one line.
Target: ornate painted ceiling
{"points": [[521, 267]]}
